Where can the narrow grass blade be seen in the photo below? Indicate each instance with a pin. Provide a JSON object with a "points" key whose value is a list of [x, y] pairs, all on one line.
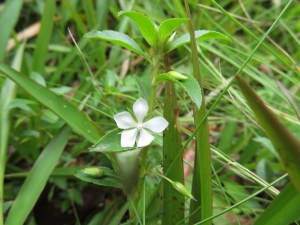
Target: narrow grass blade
{"points": [[202, 181], [37, 178], [8, 91], [43, 38], [173, 201], [8, 18], [291, 99], [69, 113], [283, 140], [283, 210]]}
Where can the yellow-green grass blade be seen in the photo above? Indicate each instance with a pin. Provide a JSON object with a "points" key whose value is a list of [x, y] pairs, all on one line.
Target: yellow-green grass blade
{"points": [[43, 39], [283, 210], [8, 18], [66, 111], [37, 178], [173, 201], [283, 140], [7, 95]]}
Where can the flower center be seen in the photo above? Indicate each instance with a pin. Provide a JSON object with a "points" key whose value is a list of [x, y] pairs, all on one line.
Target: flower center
{"points": [[139, 126]]}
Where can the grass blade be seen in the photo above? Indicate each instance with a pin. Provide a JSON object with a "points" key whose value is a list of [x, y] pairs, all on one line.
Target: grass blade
{"points": [[37, 178], [66, 111], [283, 140], [202, 181], [43, 38], [283, 210], [8, 18], [7, 94]]}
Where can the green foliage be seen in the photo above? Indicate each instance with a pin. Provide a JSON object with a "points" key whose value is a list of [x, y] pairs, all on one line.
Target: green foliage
{"points": [[117, 38], [107, 177]]}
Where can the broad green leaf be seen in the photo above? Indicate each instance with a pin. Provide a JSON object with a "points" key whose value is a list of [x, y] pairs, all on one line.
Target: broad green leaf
{"points": [[8, 18], [119, 39], [144, 24], [107, 177], [200, 36], [65, 110], [110, 143], [37, 178], [283, 140], [168, 26], [283, 210], [291, 99], [190, 85]]}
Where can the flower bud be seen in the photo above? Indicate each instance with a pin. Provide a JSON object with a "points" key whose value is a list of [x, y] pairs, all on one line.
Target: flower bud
{"points": [[93, 171], [177, 76], [182, 190]]}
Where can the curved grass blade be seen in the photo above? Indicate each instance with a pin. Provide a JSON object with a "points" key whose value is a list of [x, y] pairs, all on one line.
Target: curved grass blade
{"points": [[66, 111], [283, 140], [291, 99], [37, 178], [119, 39], [144, 24], [200, 35]]}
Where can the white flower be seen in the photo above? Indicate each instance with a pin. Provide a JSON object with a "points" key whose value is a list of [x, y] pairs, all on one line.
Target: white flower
{"points": [[136, 131]]}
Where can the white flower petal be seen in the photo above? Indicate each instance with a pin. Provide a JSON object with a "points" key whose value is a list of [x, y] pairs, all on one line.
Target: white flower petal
{"points": [[128, 137], [124, 120], [156, 124], [145, 138], [140, 109]]}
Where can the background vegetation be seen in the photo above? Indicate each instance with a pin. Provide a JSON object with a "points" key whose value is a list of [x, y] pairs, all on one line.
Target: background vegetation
{"points": [[33, 131]]}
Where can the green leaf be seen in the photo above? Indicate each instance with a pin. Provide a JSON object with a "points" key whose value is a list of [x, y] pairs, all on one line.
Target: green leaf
{"points": [[110, 143], [190, 85], [107, 178], [168, 26], [117, 38], [291, 99], [65, 110], [200, 36], [283, 140], [37, 178], [283, 210], [144, 24]]}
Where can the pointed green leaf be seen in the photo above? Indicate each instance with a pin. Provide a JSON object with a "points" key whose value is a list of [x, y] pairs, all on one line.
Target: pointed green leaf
{"points": [[144, 24], [283, 140], [190, 85], [200, 36], [65, 110], [117, 38], [283, 210], [291, 99], [110, 143], [168, 26], [106, 176]]}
